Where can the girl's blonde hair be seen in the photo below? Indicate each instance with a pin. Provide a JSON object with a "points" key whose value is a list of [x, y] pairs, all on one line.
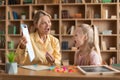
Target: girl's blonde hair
{"points": [[92, 37]]}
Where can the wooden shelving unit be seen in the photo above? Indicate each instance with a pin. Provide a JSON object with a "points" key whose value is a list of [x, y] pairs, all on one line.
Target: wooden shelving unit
{"points": [[65, 13]]}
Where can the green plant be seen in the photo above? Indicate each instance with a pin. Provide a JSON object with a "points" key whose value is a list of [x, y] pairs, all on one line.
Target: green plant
{"points": [[23, 13], [11, 57]]}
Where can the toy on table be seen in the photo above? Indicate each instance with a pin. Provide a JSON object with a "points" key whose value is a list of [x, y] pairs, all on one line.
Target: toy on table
{"points": [[63, 69]]}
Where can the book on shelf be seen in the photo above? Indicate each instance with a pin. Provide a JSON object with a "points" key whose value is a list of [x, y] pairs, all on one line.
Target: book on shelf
{"points": [[65, 14], [96, 1], [83, 1], [2, 41], [79, 1], [10, 15], [12, 2], [90, 13], [64, 45], [15, 15], [105, 13], [28, 1], [104, 47], [12, 29], [72, 30]]}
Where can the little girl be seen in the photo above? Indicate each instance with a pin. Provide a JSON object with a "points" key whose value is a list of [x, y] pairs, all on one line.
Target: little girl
{"points": [[87, 42]]}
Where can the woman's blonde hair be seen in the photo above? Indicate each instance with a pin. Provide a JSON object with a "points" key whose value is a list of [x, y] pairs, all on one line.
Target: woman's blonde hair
{"points": [[92, 37], [36, 17]]}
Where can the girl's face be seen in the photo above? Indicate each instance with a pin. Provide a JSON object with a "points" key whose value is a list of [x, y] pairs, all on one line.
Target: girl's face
{"points": [[79, 37], [44, 25]]}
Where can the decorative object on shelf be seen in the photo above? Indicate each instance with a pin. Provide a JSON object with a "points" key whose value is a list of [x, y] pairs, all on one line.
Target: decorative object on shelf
{"points": [[97, 15], [78, 15], [112, 48], [65, 62], [11, 66], [113, 16], [52, 32], [74, 48], [55, 16], [107, 32], [23, 15]]}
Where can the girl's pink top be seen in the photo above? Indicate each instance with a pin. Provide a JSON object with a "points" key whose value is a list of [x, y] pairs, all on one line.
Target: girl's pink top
{"points": [[88, 59]]}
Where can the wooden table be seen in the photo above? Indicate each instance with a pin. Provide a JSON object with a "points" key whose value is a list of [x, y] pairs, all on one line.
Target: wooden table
{"points": [[25, 74]]}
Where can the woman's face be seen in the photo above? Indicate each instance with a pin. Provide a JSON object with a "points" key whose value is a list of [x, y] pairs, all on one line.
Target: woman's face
{"points": [[44, 25], [79, 37]]}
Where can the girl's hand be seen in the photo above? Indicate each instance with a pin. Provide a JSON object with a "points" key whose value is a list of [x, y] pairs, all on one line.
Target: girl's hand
{"points": [[50, 58], [23, 42]]}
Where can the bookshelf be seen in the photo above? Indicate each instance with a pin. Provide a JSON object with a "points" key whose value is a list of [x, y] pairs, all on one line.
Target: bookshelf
{"points": [[66, 14]]}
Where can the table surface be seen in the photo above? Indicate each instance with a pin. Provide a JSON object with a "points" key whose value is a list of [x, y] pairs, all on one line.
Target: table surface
{"points": [[52, 75]]}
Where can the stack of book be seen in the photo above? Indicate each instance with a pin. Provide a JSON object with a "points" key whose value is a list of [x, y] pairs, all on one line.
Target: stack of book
{"points": [[27, 1], [2, 41], [12, 29], [65, 14], [12, 2]]}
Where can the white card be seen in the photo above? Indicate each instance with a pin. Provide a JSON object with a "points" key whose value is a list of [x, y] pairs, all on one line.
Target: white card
{"points": [[36, 67], [28, 45]]}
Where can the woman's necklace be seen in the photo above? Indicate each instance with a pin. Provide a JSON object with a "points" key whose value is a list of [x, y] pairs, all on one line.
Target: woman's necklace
{"points": [[43, 39]]}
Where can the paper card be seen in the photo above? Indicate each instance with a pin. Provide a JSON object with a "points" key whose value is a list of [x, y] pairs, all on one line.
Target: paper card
{"points": [[28, 45], [36, 67]]}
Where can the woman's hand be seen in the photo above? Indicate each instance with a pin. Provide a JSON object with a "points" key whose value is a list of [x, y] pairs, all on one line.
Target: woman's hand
{"points": [[50, 58], [23, 42]]}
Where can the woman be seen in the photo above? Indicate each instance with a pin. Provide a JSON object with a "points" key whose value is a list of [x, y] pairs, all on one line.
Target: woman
{"points": [[86, 40], [46, 47]]}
